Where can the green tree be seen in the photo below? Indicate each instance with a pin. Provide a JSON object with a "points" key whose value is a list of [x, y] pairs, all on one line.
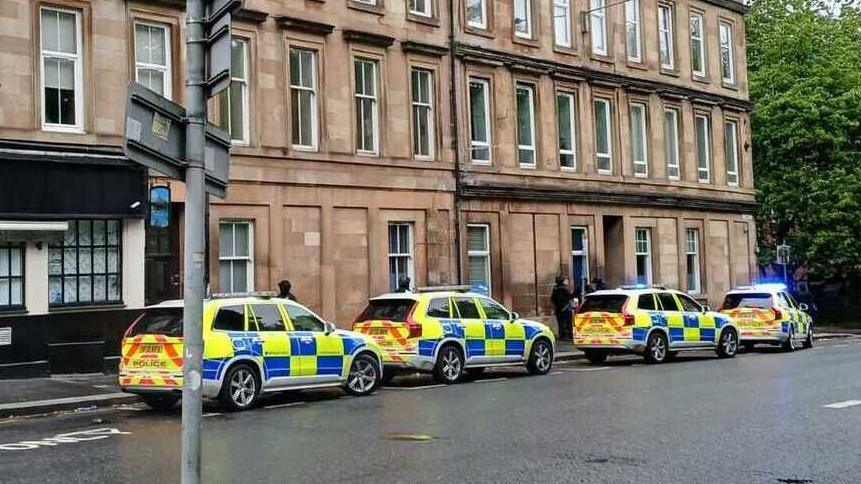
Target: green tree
{"points": [[804, 67]]}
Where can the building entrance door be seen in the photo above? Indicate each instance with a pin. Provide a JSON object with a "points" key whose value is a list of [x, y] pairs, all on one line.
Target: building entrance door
{"points": [[163, 281]]}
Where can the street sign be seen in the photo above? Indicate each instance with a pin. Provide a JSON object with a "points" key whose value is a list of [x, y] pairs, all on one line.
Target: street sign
{"points": [[218, 44], [782, 257], [156, 134]]}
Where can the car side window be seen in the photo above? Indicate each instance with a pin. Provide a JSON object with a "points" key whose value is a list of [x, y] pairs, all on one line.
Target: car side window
{"points": [[439, 308], [788, 301], [304, 320], [266, 317], [647, 302], [668, 302], [494, 310], [689, 305], [466, 308], [230, 318]]}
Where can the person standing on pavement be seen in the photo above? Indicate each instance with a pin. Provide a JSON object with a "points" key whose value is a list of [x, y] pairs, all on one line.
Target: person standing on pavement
{"points": [[562, 300], [285, 290]]}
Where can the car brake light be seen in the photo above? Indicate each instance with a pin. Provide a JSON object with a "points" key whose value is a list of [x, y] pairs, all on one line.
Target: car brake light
{"points": [[414, 327], [629, 318], [778, 315]]}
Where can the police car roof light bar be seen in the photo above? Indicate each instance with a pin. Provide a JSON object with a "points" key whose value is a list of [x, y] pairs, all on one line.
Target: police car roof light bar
{"points": [[230, 295], [455, 288], [643, 286]]}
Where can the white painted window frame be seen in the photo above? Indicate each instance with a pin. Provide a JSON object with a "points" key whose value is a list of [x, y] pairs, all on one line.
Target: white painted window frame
{"points": [[243, 80], [483, 23], [702, 43], [609, 153], [527, 5], [409, 255], [249, 258], [708, 149], [572, 113], [429, 106], [313, 108], [644, 253], [675, 152], [563, 6], [643, 130], [427, 12], [666, 34], [732, 175], [375, 106], [164, 69], [598, 18], [487, 127], [482, 253], [727, 46], [530, 89], [584, 253], [632, 18], [78, 59], [692, 250]]}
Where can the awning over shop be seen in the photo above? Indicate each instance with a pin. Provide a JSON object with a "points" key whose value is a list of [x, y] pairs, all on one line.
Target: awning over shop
{"points": [[54, 181]]}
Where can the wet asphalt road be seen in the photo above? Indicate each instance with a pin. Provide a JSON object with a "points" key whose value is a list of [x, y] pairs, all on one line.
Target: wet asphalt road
{"points": [[759, 418]]}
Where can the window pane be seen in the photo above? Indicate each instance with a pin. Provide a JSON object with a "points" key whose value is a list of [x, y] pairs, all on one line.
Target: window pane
{"points": [[561, 22], [225, 240], [67, 35], [268, 318], [477, 238], [632, 28], [475, 13], [524, 122], [638, 136], [239, 271], [304, 320], [438, 308], [230, 318], [477, 109], [466, 308], [493, 310], [241, 239], [237, 58], [49, 26], [237, 110], [521, 17]]}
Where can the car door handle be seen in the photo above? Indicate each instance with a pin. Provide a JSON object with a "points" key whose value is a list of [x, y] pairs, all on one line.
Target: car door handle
{"points": [[306, 339]]}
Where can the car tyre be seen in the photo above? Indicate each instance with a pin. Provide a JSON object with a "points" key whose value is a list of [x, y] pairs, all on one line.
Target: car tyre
{"points": [[364, 376], [789, 345], [727, 344], [808, 342], [540, 357], [162, 403], [449, 365], [240, 388], [656, 348], [595, 357]]}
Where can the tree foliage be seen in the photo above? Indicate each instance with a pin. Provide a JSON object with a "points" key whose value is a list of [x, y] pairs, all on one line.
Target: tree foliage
{"points": [[804, 69]]}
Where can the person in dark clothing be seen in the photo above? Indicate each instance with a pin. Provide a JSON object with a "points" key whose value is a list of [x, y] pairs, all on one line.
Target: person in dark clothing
{"points": [[562, 300], [285, 290], [404, 284]]}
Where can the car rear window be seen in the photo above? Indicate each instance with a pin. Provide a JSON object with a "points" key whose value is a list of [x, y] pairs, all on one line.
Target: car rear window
{"points": [[395, 310], [166, 321], [605, 303], [748, 300]]}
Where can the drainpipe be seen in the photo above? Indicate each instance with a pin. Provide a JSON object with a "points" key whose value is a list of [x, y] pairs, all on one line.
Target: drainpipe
{"points": [[455, 143]]}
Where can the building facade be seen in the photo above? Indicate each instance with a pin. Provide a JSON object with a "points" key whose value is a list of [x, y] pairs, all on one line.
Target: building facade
{"points": [[495, 143]]}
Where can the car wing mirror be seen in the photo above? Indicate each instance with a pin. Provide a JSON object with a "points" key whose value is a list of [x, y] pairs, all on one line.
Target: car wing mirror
{"points": [[803, 307], [515, 316], [330, 328], [706, 308]]}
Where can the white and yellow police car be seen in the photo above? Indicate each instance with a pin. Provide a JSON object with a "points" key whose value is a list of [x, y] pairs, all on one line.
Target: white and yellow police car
{"points": [[652, 321], [250, 345], [768, 314], [449, 332]]}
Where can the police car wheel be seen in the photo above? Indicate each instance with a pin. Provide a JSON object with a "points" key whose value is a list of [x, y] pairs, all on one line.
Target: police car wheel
{"points": [[540, 357], [240, 388], [808, 342], [449, 365], [728, 344], [789, 344], [656, 348], [595, 357], [364, 376], [160, 402]]}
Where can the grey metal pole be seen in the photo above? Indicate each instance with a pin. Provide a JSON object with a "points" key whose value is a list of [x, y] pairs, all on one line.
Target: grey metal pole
{"points": [[194, 259]]}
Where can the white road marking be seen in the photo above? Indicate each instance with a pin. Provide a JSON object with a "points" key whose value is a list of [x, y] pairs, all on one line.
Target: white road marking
{"points": [[556, 372], [211, 414], [492, 380], [588, 369], [284, 405], [417, 388], [68, 438], [847, 403]]}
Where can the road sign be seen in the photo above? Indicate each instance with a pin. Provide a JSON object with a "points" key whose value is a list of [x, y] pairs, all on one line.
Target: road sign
{"points": [[218, 44], [782, 257], [156, 135]]}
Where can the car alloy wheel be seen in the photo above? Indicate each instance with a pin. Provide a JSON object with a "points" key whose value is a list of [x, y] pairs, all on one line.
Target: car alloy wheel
{"points": [[540, 358], [789, 345], [656, 349], [449, 366], [243, 388], [363, 376], [728, 344]]}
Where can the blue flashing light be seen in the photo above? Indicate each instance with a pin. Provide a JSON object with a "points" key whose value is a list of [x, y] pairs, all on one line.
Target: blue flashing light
{"points": [[771, 286]]}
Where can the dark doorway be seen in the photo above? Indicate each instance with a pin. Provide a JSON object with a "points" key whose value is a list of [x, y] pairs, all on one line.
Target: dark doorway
{"points": [[162, 262], [614, 250]]}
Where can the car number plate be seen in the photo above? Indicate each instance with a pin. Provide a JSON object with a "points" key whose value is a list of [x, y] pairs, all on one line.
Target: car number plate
{"points": [[151, 348]]}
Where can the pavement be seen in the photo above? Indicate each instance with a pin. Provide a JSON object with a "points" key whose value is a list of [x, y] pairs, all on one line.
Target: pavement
{"points": [[35, 396], [762, 417]]}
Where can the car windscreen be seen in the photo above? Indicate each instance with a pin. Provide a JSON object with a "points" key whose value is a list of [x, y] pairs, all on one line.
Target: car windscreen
{"points": [[605, 303], [166, 321], [395, 310], [748, 300]]}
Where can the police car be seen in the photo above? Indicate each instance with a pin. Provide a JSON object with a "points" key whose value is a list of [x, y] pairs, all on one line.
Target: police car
{"points": [[251, 345], [449, 332], [767, 313], [652, 321]]}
